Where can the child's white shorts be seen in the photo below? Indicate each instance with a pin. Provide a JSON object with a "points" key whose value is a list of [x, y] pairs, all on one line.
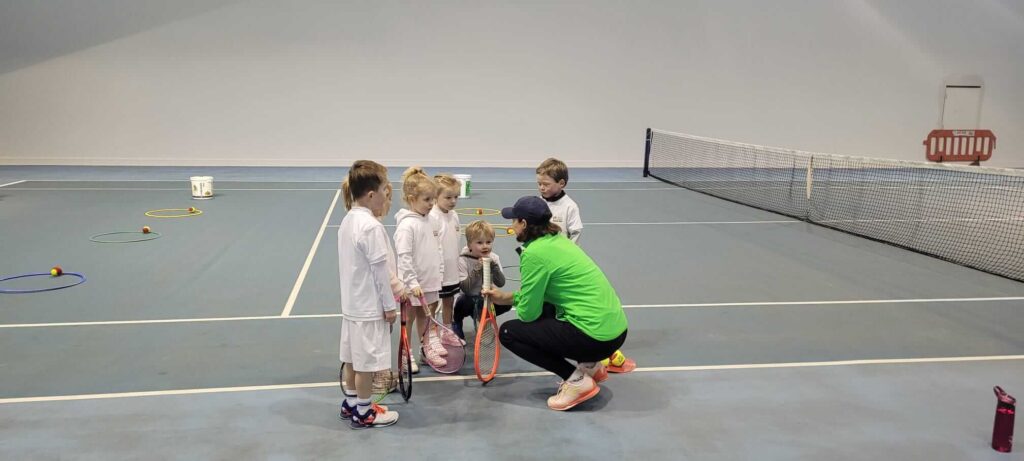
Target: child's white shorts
{"points": [[366, 344], [431, 297]]}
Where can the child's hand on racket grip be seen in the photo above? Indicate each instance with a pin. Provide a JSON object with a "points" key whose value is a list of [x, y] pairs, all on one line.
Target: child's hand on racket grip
{"points": [[417, 292]]}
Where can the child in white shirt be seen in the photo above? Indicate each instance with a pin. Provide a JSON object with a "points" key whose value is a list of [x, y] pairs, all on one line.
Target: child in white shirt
{"points": [[367, 303], [552, 177], [446, 220], [420, 263]]}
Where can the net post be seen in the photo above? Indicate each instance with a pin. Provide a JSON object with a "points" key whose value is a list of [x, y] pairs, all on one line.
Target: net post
{"points": [[647, 154]]}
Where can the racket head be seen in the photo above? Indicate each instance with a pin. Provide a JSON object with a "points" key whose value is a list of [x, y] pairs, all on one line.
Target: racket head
{"points": [[486, 348], [455, 352]]}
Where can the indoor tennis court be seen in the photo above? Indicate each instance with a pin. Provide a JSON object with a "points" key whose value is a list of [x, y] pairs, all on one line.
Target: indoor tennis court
{"points": [[751, 329]]}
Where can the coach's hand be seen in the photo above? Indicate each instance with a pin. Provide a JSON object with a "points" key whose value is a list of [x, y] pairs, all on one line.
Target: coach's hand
{"points": [[497, 296], [390, 316]]}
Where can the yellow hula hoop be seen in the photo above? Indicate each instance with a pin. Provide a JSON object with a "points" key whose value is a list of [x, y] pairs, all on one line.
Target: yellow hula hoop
{"points": [[478, 211], [155, 213]]}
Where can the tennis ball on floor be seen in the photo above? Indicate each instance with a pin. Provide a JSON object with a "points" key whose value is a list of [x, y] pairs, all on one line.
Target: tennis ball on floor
{"points": [[56, 271], [605, 362], [191, 209], [510, 231], [145, 229], [618, 358], [479, 211]]}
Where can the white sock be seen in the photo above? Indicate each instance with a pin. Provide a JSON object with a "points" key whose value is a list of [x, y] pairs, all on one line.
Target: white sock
{"points": [[350, 400], [363, 406], [577, 377]]}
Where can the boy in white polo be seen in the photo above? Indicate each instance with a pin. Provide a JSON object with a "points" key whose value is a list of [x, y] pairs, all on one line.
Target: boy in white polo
{"points": [[367, 303]]}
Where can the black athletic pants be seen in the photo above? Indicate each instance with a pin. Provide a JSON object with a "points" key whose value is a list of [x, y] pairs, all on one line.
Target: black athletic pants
{"points": [[547, 343]]}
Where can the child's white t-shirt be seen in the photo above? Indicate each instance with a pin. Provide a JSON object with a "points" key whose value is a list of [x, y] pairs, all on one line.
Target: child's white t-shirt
{"points": [[363, 249], [448, 232], [419, 251], [566, 214]]}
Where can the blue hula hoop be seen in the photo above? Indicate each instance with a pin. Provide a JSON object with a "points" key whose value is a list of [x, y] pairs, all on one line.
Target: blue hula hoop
{"points": [[81, 280]]}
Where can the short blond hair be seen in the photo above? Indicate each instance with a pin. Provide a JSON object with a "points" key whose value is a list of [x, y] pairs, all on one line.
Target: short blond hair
{"points": [[447, 182], [478, 229], [415, 183], [555, 169]]}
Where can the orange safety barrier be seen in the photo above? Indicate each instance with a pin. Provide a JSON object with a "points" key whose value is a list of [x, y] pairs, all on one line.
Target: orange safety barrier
{"points": [[959, 145]]}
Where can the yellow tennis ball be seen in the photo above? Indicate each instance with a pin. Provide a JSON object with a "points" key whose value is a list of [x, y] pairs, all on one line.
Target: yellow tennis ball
{"points": [[145, 229], [618, 358], [191, 209], [605, 362], [56, 271], [510, 231]]}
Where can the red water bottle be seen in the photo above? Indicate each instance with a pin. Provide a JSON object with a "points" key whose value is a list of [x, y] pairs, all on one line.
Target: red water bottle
{"points": [[1002, 430]]}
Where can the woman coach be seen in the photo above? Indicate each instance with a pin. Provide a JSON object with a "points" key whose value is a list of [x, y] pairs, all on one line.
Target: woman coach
{"points": [[567, 308]]}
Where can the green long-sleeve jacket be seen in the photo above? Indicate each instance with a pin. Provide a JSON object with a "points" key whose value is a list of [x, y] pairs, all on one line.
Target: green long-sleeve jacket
{"points": [[556, 271]]}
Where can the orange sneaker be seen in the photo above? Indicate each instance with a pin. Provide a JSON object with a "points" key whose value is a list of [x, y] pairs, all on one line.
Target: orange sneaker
{"points": [[627, 366], [569, 395]]}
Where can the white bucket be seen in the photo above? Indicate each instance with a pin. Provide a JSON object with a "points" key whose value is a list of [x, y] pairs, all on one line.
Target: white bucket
{"points": [[466, 181], [202, 187]]}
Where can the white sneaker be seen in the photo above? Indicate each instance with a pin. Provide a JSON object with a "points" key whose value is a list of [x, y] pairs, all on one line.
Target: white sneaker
{"points": [[415, 369], [435, 360], [378, 416], [569, 394], [435, 344], [449, 338]]}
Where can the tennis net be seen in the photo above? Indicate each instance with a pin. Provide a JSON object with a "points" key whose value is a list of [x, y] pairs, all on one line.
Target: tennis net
{"points": [[969, 215]]}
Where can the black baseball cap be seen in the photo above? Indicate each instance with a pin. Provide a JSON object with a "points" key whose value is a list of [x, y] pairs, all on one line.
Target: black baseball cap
{"points": [[531, 209]]}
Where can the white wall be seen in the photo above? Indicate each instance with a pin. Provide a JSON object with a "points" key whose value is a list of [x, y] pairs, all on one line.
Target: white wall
{"points": [[489, 83]]}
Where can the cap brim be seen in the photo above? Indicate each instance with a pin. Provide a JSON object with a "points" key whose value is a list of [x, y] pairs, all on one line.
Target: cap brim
{"points": [[508, 213]]}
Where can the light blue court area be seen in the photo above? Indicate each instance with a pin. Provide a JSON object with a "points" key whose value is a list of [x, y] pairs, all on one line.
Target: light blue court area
{"points": [[757, 336]]}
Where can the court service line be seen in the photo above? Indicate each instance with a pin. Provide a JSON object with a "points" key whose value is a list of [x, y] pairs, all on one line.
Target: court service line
{"points": [[829, 303], [337, 181], [667, 223], [625, 306], [155, 189], [13, 183], [309, 258], [160, 189], [693, 368]]}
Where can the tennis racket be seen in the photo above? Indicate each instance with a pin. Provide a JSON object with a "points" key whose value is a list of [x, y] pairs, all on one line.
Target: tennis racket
{"points": [[454, 351], [404, 353], [487, 351], [380, 390]]}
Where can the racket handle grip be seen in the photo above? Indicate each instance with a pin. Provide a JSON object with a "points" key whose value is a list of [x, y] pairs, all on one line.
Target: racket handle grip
{"points": [[486, 263]]}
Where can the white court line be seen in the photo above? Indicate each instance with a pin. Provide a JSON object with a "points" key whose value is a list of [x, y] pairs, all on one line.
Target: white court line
{"points": [[749, 366], [670, 223], [153, 189], [338, 181], [13, 183], [589, 189], [625, 306], [309, 258], [830, 303], [157, 189]]}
